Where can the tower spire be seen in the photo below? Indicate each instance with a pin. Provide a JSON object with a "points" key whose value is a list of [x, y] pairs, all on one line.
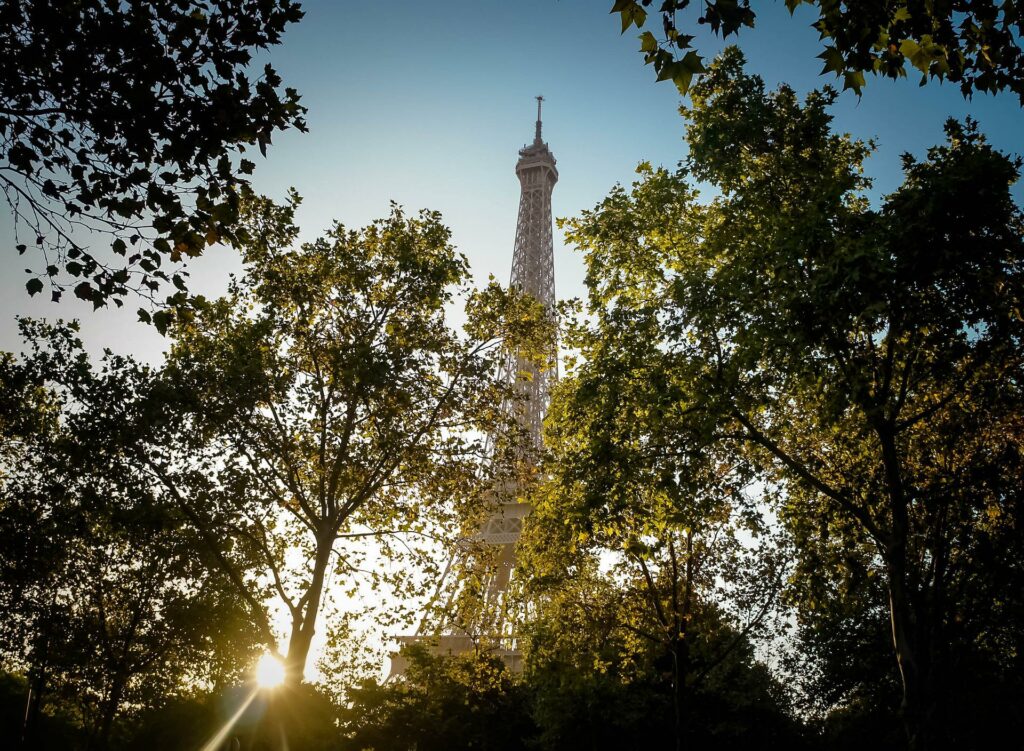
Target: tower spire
{"points": [[536, 138]]}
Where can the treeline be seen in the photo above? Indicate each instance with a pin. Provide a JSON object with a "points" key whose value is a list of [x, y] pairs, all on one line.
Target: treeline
{"points": [[781, 503]]}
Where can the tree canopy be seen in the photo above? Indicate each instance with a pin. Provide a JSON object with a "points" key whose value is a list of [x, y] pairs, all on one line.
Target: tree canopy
{"points": [[865, 362], [326, 398], [105, 602], [129, 119], [779, 499], [973, 43]]}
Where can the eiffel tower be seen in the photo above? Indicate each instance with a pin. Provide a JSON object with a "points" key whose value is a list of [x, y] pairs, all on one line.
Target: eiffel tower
{"points": [[480, 614]]}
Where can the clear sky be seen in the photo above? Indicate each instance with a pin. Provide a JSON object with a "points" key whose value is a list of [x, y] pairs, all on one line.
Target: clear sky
{"points": [[426, 104]]}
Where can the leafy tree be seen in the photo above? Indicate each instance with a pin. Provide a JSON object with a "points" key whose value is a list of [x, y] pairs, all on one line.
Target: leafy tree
{"points": [[671, 564], [442, 702], [52, 731], [603, 677], [840, 668], [181, 723], [865, 361], [667, 520], [587, 672], [975, 43], [324, 399], [105, 605], [129, 118]]}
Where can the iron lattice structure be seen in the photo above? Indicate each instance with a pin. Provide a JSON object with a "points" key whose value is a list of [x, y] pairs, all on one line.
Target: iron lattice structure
{"points": [[479, 611], [533, 272]]}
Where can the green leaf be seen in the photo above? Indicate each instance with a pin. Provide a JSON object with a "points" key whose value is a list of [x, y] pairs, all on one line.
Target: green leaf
{"points": [[922, 55], [648, 43], [682, 71], [834, 62], [853, 79], [693, 62], [630, 13]]}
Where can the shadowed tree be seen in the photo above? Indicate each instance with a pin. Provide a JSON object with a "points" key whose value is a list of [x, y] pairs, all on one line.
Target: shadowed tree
{"points": [[666, 528], [442, 702], [973, 43], [105, 604], [866, 361], [129, 119]]}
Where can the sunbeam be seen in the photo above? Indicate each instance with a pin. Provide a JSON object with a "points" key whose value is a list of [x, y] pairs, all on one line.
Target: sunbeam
{"points": [[214, 743]]}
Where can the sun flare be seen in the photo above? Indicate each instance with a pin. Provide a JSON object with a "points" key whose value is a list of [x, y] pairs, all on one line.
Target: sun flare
{"points": [[269, 671]]}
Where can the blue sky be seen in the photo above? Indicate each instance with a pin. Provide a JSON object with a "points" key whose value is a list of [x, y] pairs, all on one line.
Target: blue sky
{"points": [[426, 104]]}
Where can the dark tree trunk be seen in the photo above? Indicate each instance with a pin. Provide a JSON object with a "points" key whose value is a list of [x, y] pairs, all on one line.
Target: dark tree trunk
{"points": [[908, 623], [680, 667], [909, 657], [109, 711], [33, 708]]}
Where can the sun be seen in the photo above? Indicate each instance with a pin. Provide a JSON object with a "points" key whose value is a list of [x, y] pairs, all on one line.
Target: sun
{"points": [[269, 671]]}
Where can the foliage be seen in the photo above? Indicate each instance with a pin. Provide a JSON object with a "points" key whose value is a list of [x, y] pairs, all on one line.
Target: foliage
{"points": [[129, 118], [105, 605], [327, 399], [600, 680], [587, 687], [56, 729], [647, 597], [680, 529], [974, 43], [865, 362], [466, 702]]}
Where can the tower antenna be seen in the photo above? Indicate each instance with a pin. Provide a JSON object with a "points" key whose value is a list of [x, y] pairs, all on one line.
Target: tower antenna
{"points": [[536, 138]]}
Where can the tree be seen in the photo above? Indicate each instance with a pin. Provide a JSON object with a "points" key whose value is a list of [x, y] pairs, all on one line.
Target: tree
{"points": [[667, 525], [105, 604], [975, 43], [324, 399], [866, 361], [129, 119], [606, 670], [442, 702]]}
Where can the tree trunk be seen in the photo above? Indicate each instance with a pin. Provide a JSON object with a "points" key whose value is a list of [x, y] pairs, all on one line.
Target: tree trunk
{"points": [[110, 708], [680, 666], [912, 673], [304, 628], [911, 651], [33, 706], [37, 680]]}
